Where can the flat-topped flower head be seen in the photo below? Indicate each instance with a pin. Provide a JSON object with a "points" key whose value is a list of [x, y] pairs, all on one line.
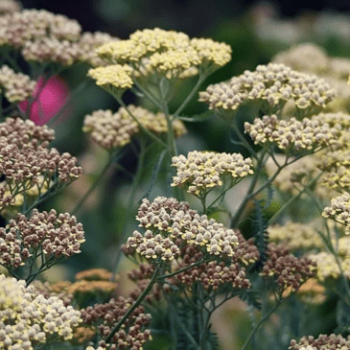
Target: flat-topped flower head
{"points": [[9, 6], [339, 210], [271, 86], [201, 171], [296, 236], [56, 235], [291, 135], [170, 225], [116, 77], [322, 342], [16, 87], [27, 318], [172, 54], [114, 130]]}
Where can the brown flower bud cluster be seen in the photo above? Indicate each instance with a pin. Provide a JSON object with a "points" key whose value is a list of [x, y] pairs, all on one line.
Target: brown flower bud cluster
{"points": [[286, 269], [200, 171], [171, 224], [9, 6], [322, 342], [105, 316], [16, 87], [273, 84], [6, 198], [295, 236], [215, 274], [28, 318], [291, 135], [339, 210], [114, 130], [56, 235], [173, 54], [26, 160]]}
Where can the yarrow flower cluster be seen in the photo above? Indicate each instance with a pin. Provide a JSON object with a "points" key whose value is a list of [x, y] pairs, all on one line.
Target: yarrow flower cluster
{"points": [[113, 130], [16, 87], [170, 53], [105, 316], [339, 210], [171, 225], [55, 235], [9, 6], [200, 171], [275, 84], [295, 236], [322, 342], [27, 162], [291, 135], [287, 270], [28, 318]]}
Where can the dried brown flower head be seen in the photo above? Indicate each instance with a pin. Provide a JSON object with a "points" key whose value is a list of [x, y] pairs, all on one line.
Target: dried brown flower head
{"points": [[322, 342]]}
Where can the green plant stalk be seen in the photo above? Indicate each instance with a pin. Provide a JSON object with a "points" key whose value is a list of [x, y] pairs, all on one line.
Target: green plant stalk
{"points": [[133, 306], [79, 205]]}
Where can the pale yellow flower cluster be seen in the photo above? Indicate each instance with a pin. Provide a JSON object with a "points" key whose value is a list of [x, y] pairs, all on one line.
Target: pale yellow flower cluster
{"points": [[28, 318], [200, 171], [310, 58], [16, 87], [114, 130], [171, 224], [291, 134], [170, 53], [273, 84], [339, 210], [296, 236], [117, 77], [9, 6]]}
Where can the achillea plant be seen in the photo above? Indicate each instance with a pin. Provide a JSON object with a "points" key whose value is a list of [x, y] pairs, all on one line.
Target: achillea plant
{"points": [[282, 253]]}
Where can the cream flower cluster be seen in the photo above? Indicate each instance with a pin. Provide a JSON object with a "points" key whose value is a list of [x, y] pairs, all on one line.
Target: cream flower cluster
{"points": [[16, 87], [200, 171], [55, 235], [336, 167], [114, 130], [322, 342], [116, 76], [296, 236], [9, 6], [28, 318], [171, 224], [274, 84], [166, 52], [291, 135], [339, 210]]}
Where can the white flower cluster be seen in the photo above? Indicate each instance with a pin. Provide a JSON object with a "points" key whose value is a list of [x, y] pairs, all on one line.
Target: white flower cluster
{"points": [[28, 318], [200, 171], [339, 210]]}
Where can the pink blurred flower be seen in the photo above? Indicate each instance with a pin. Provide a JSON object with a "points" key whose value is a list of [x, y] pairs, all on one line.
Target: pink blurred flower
{"points": [[53, 97]]}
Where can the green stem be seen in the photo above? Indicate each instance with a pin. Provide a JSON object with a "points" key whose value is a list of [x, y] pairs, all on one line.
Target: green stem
{"points": [[200, 80], [261, 321], [147, 132], [93, 186], [133, 306]]}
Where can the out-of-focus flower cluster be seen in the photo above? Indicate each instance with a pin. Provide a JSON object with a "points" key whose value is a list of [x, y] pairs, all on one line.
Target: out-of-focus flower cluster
{"points": [[16, 87], [28, 318], [296, 236], [54, 235], [322, 342], [9, 6], [156, 51], [171, 225], [200, 171], [273, 84], [46, 37], [291, 134], [286, 269], [114, 130], [26, 161], [310, 58], [105, 316], [339, 210]]}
